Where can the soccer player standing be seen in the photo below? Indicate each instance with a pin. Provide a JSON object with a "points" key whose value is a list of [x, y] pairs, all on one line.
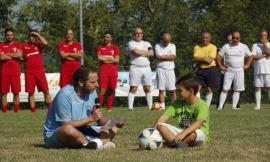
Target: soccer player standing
{"points": [[165, 54], [70, 52], [261, 55], [108, 57], [207, 73], [34, 68], [10, 56], [140, 71], [234, 54]]}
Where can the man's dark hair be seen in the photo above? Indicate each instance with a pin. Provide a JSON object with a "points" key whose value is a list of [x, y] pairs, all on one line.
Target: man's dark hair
{"points": [[9, 30], [82, 73], [108, 32], [188, 82], [263, 30]]}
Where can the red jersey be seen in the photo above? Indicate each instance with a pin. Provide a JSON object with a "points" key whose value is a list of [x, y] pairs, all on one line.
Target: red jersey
{"points": [[10, 67], [69, 48], [33, 60], [108, 69]]}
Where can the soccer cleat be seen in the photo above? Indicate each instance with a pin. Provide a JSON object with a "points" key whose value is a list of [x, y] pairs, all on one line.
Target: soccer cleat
{"points": [[257, 108], [4, 109], [130, 109], [108, 145], [33, 109]]}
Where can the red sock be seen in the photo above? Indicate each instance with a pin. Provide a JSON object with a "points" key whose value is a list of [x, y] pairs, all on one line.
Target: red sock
{"points": [[110, 99], [33, 109], [101, 99], [16, 107], [48, 105], [4, 108]]}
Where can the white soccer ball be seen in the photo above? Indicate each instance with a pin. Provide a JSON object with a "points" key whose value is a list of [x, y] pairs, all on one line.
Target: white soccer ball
{"points": [[150, 139]]}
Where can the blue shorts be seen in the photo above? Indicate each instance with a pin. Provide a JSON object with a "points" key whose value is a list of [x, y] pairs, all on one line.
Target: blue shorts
{"points": [[208, 77], [88, 131]]}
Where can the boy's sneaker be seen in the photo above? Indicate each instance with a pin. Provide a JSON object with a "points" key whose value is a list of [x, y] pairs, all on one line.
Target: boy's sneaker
{"points": [[180, 145], [235, 108], [257, 108], [91, 145], [108, 145]]}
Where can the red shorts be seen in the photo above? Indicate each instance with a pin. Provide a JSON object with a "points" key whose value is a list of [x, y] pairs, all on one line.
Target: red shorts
{"points": [[108, 82], [10, 81], [33, 80]]}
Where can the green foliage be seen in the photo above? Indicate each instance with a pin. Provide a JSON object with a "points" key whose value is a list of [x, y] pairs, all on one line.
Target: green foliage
{"points": [[184, 19]]}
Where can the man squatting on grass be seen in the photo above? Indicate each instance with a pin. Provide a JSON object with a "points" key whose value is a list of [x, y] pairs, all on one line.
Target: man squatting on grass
{"points": [[192, 114], [71, 112]]}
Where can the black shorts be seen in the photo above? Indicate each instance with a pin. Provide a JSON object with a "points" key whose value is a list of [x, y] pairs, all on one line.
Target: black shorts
{"points": [[208, 77], [88, 131]]}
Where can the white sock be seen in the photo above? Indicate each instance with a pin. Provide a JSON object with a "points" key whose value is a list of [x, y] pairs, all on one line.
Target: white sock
{"points": [[131, 97], [208, 98], [258, 97], [198, 94], [162, 105], [235, 99], [222, 99], [149, 100], [269, 95]]}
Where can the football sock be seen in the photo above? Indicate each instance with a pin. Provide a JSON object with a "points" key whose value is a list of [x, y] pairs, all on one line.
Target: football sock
{"points": [[33, 109], [162, 106], [258, 98], [149, 100], [208, 98], [4, 108], [235, 99], [131, 97], [16, 107], [222, 99], [101, 99], [198, 94], [110, 101]]}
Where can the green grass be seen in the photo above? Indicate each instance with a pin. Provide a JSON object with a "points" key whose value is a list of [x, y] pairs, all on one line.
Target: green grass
{"points": [[234, 136]]}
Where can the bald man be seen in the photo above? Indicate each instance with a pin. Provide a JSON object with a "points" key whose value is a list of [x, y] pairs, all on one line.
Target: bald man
{"points": [[234, 54], [140, 71], [165, 55], [207, 74]]}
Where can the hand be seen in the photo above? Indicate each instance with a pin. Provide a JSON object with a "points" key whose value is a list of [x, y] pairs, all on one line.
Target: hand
{"points": [[35, 34], [208, 60], [223, 68], [179, 137], [97, 114], [246, 67]]}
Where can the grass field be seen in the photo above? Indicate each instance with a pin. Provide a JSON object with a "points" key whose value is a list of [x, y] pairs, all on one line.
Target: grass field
{"points": [[234, 136]]}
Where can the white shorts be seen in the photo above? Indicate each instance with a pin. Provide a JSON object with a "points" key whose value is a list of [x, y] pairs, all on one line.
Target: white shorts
{"points": [[200, 135], [140, 75], [262, 80], [165, 79], [235, 77]]}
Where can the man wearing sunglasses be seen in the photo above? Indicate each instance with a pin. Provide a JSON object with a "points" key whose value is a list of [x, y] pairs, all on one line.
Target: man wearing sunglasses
{"points": [[234, 54]]}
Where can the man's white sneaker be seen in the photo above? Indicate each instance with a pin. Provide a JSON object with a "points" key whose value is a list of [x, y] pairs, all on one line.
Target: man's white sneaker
{"points": [[235, 108], [219, 108], [257, 108], [108, 145]]}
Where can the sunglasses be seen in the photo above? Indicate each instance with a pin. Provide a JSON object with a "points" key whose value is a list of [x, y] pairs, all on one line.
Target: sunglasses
{"points": [[236, 38]]}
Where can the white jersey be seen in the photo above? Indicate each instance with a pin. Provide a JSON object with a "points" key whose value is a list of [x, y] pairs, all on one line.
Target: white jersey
{"points": [[234, 55], [170, 49], [138, 60], [261, 66]]}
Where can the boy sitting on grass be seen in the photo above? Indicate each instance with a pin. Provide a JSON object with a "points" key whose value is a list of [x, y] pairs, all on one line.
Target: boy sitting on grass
{"points": [[192, 114]]}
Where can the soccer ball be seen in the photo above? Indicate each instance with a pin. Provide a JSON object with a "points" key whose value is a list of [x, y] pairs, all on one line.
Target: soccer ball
{"points": [[150, 139], [156, 106]]}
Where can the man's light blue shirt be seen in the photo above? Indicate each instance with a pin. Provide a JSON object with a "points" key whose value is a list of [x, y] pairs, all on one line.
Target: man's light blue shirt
{"points": [[67, 106]]}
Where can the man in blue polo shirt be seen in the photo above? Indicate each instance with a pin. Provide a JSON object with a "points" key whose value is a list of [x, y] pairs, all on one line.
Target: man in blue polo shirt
{"points": [[71, 112]]}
